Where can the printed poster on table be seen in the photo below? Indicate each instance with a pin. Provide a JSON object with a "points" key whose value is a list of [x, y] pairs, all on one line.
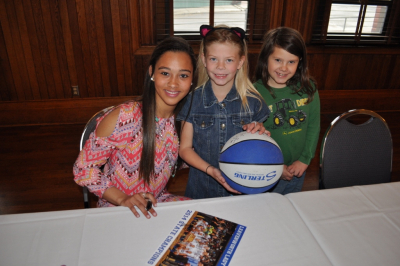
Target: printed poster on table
{"points": [[199, 239]]}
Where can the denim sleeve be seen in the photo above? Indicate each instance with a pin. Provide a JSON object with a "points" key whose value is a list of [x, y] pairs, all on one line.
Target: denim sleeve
{"points": [[184, 113], [261, 110]]}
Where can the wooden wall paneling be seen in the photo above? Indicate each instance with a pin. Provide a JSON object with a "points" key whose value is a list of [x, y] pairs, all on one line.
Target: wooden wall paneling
{"points": [[7, 93], [253, 59], [257, 14], [79, 110], [49, 26], [60, 50], [318, 68], [89, 90], [33, 86], [69, 50], [4, 93], [54, 111], [35, 48], [334, 76], [379, 72], [126, 45], [276, 14], [134, 21], [94, 44], [300, 15], [356, 73], [339, 101], [111, 56], [13, 46], [161, 22], [147, 27], [119, 60], [77, 48], [44, 54], [141, 67], [55, 12], [310, 13], [292, 11], [394, 81], [102, 49]]}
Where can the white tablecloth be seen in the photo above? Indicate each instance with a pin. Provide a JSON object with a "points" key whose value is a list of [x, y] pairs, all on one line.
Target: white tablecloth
{"points": [[348, 226], [354, 225]]}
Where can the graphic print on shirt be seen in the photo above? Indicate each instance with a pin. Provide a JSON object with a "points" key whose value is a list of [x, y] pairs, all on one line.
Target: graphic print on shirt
{"points": [[287, 116]]}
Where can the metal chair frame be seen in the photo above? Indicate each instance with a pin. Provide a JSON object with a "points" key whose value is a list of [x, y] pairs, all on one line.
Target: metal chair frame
{"points": [[346, 115], [88, 129]]}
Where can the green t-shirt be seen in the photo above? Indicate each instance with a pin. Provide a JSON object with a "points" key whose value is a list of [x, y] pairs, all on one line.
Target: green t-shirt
{"points": [[293, 123]]}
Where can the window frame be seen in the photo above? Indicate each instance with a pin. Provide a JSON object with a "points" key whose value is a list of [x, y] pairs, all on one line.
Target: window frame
{"points": [[254, 34], [389, 35]]}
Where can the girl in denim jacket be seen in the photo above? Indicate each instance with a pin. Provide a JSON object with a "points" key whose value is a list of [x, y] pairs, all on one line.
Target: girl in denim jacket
{"points": [[223, 104]]}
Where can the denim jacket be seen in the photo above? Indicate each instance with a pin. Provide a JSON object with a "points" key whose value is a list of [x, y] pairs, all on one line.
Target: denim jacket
{"points": [[214, 123]]}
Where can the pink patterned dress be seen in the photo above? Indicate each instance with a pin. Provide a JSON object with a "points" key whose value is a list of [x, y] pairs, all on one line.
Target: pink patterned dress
{"points": [[120, 154]]}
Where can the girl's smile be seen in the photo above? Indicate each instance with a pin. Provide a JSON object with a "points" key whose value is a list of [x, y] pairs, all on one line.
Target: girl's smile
{"points": [[221, 61], [282, 66], [172, 78]]}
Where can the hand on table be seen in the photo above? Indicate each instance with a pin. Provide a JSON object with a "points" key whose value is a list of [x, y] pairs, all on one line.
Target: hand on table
{"points": [[140, 201]]}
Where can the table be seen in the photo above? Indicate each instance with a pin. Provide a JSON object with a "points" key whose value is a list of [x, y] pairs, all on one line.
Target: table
{"points": [[346, 226], [354, 225]]}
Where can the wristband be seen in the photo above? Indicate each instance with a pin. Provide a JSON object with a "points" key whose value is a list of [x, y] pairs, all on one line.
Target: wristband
{"points": [[207, 168]]}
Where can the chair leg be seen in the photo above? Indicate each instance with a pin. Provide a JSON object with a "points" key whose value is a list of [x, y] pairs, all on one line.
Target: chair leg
{"points": [[320, 183], [85, 197]]}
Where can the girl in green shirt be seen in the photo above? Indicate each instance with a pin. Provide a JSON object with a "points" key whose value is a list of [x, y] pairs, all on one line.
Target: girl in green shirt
{"points": [[284, 82]]}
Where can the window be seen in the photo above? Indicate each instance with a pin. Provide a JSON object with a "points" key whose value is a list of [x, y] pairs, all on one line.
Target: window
{"points": [[184, 17], [357, 22], [190, 15]]}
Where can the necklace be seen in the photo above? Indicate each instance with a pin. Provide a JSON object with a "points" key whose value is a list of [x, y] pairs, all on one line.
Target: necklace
{"points": [[160, 128]]}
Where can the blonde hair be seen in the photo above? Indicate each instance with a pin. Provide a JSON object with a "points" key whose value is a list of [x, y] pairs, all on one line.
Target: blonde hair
{"points": [[243, 84]]}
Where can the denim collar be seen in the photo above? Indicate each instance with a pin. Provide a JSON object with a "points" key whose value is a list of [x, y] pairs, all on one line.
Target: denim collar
{"points": [[209, 98]]}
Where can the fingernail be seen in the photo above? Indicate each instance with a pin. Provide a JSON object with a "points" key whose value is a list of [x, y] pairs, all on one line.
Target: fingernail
{"points": [[148, 216]]}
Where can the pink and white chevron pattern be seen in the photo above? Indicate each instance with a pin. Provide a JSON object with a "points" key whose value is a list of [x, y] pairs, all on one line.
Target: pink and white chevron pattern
{"points": [[120, 154]]}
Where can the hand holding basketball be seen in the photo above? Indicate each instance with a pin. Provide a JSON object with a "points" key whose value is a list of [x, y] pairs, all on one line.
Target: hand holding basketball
{"points": [[217, 175], [255, 126], [251, 163]]}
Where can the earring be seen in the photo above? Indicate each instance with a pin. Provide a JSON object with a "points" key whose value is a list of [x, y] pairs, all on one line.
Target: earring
{"points": [[151, 79], [191, 83]]}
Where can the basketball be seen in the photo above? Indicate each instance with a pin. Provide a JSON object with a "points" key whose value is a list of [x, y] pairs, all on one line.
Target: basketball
{"points": [[251, 163]]}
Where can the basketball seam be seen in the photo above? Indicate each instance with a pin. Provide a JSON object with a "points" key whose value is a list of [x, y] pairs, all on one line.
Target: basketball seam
{"points": [[244, 185], [248, 140]]}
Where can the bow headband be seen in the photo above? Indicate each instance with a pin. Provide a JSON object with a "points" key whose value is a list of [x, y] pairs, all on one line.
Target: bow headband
{"points": [[206, 29]]}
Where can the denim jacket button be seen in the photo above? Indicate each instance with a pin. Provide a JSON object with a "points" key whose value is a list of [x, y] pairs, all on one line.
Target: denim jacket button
{"points": [[242, 122], [203, 125], [223, 126], [223, 105]]}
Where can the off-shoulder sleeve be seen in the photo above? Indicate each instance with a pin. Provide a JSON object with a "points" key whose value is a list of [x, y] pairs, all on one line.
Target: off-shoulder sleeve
{"points": [[87, 169]]}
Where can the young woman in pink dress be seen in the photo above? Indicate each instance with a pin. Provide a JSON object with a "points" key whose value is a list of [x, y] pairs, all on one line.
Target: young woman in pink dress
{"points": [[129, 158]]}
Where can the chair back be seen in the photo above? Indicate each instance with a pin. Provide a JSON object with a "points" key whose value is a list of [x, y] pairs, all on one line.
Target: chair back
{"points": [[89, 128], [356, 154]]}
